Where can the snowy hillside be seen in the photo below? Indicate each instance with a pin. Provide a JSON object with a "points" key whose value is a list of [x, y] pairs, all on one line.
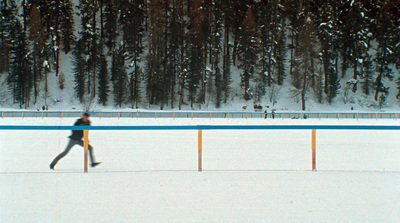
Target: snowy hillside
{"points": [[205, 55]]}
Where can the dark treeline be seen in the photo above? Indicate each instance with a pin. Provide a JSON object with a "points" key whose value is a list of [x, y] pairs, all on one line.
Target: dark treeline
{"points": [[182, 52]]}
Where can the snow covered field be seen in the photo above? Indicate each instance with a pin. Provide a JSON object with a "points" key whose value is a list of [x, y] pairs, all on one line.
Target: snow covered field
{"points": [[249, 176]]}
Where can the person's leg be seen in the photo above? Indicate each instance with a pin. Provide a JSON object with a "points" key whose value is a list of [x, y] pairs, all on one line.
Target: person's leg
{"points": [[91, 154], [64, 153]]}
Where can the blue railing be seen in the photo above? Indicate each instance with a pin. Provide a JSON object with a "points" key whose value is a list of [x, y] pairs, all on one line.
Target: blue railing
{"points": [[206, 127], [200, 128]]}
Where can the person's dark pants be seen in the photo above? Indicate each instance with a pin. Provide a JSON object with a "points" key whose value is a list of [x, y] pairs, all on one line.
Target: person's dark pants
{"points": [[72, 143]]}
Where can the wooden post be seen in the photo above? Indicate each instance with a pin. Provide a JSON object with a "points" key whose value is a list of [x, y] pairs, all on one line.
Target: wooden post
{"points": [[85, 146], [313, 148], [200, 145]]}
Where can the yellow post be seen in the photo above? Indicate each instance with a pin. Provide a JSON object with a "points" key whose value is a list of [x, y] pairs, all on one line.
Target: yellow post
{"points": [[319, 116], [313, 148], [2, 115], [137, 115], [155, 115], [174, 115], [119, 115], [22, 115], [192, 115], [200, 145], [246, 115], [62, 114], [100, 115], [210, 115], [228, 115], [85, 146]]}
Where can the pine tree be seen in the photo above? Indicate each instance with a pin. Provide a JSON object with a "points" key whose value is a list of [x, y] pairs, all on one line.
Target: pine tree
{"points": [[20, 78], [248, 51], [103, 90], [89, 36], [110, 24], [328, 35], [306, 55], [132, 20], [367, 79], [196, 56], [216, 47], [38, 38], [79, 70], [226, 57], [67, 25], [355, 38], [119, 73], [8, 12], [386, 37]]}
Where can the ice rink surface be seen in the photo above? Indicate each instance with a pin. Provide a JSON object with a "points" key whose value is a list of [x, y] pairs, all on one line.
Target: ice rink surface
{"points": [[249, 175]]}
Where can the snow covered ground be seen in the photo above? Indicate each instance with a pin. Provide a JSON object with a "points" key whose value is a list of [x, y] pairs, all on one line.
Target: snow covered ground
{"points": [[249, 176]]}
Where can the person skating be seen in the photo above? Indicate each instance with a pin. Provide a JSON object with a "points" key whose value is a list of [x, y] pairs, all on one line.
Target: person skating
{"points": [[76, 139]]}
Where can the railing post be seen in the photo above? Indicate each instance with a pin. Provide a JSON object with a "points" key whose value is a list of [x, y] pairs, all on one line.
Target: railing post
{"points": [[313, 148], [85, 146], [155, 115], [200, 145], [2, 115], [119, 115]]}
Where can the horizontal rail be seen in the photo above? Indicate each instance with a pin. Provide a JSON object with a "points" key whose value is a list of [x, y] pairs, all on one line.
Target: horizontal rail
{"points": [[205, 127], [206, 114]]}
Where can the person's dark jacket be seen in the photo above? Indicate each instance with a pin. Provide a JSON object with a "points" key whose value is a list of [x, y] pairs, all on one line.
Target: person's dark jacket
{"points": [[78, 134]]}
